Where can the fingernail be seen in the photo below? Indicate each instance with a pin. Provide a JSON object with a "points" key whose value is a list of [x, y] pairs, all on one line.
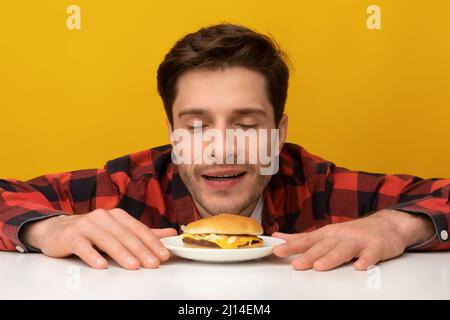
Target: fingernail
{"points": [[100, 262], [362, 265], [323, 261], [131, 260], [151, 260], [298, 264], [301, 260], [163, 252], [277, 248]]}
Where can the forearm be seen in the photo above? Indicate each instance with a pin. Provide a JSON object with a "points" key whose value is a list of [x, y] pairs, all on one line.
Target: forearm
{"points": [[415, 229], [422, 206], [14, 219], [23, 203], [32, 232]]}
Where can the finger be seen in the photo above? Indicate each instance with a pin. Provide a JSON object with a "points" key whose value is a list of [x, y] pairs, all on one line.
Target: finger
{"points": [[109, 244], [164, 233], [131, 241], [297, 245], [144, 233], [342, 253], [321, 248], [84, 249], [369, 257], [287, 236]]}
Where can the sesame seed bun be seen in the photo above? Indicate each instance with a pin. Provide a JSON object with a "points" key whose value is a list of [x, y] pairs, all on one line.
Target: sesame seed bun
{"points": [[224, 223]]}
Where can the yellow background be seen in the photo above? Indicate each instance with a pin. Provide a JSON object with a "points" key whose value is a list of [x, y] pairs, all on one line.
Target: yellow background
{"points": [[374, 100]]}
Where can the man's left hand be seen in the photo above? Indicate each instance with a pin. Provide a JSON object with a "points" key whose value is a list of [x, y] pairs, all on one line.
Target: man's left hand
{"points": [[381, 236]]}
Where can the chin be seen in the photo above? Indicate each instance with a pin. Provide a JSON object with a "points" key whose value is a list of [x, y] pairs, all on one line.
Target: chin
{"points": [[218, 208]]}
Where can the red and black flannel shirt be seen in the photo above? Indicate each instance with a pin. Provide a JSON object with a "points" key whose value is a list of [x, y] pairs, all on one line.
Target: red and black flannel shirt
{"points": [[306, 193]]}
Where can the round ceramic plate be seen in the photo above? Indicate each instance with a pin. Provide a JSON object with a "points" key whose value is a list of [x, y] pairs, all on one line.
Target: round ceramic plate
{"points": [[176, 246]]}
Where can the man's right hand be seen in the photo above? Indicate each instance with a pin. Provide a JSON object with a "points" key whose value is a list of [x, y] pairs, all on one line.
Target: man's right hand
{"points": [[125, 239]]}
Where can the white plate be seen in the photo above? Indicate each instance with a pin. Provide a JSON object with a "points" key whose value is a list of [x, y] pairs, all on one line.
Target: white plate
{"points": [[175, 245]]}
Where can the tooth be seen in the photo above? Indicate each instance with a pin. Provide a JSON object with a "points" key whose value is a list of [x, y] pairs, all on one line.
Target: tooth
{"points": [[226, 176]]}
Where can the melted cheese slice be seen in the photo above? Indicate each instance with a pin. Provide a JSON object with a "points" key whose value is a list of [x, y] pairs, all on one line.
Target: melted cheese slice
{"points": [[225, 241]]}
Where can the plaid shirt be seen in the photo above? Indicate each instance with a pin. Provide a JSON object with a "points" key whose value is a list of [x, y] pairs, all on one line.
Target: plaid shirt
{"points": [[306, 193]]}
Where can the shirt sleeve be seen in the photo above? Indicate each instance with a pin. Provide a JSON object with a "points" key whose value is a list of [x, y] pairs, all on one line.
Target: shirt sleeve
{"points": [[75, 192], [344, 195]]}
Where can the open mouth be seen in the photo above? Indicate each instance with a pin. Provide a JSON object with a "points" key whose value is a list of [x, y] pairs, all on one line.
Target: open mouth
{"points": [[220, 179], [223, 177]]}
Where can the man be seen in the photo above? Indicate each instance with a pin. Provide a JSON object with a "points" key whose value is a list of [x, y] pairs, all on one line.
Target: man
{"points": [[224, 77]]}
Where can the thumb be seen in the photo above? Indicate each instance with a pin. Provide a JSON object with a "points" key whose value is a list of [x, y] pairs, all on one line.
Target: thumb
{"points": [[285, 236], [166, 232]]}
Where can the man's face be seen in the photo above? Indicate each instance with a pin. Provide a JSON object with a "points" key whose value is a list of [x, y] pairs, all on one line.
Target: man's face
{"points": [[233, 98]]}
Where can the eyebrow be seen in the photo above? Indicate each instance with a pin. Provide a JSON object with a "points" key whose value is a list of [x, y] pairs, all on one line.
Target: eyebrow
{"points": [[240, 111], [245, 111], [192, 111]]}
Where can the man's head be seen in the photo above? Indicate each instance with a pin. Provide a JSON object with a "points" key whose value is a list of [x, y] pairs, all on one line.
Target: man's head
{"points": [[226, 77]]}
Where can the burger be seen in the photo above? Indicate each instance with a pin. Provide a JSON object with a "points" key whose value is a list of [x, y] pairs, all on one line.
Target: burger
{"points": [[223, 231]]}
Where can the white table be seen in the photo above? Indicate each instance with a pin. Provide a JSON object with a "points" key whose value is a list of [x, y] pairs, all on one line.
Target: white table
{"points": [[35, 276]]}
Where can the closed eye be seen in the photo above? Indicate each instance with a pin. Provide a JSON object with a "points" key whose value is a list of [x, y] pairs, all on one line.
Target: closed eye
{"points": [[247, 126], [192, 128]]}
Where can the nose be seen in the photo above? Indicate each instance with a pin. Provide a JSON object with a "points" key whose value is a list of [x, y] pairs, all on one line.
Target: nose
{"points": [[225, 148]]}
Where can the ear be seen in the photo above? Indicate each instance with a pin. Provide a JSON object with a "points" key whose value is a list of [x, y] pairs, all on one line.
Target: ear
{"points": [[282, 127]]}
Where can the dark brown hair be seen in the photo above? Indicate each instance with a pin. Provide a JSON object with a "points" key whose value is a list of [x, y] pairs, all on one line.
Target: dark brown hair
{"points": [[221, 46]]}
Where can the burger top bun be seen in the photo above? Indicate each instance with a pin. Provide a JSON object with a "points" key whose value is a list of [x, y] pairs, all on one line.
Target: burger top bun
{"points": [[225, 224]]}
